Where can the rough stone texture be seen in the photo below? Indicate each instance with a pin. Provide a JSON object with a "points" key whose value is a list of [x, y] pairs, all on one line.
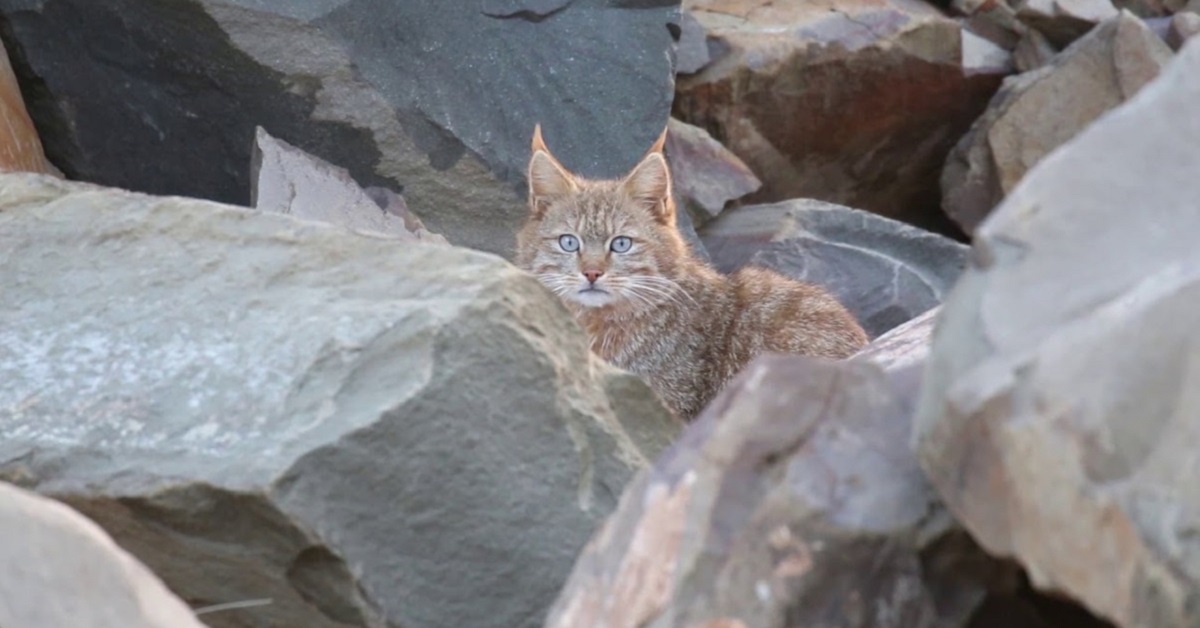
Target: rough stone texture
{"points": [[20, 146], [792, 501], [1183, 26], [848, 101], [435, 98], [59, 569], [706, 175], [1064, 21], [1033, 51], [1060, 417], [367, 433], [287, 180], [884, 271], [1034, 113]]}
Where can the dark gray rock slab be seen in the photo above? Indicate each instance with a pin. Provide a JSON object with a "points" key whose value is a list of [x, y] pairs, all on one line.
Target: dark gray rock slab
{"points": [[884, 271], [365, 431], [437, 99]]}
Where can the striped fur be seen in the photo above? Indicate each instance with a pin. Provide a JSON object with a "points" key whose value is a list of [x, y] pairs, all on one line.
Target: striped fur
{"points": [[655, 309]]}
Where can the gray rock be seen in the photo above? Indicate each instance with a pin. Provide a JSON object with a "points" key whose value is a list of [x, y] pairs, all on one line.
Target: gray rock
{"points": [[692, 54], [884, 271], [706, 175], [1183, 26], [287, 180], [437, 99], [792, 501], [1064, 21], [1060, 418], [365, 432], [59, 569], [1036, 112]]}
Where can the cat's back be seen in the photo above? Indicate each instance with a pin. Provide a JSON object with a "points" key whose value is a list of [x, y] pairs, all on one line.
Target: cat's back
{"points": [[775, 313]]}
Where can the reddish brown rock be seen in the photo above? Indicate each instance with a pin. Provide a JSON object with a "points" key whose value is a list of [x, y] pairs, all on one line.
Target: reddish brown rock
{"points": [[20, 146], [792, 501], [852, 102], [1038, 111], [707, 175]]}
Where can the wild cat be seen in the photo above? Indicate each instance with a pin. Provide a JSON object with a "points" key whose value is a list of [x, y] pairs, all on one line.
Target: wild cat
{"points": [[611, 252]]}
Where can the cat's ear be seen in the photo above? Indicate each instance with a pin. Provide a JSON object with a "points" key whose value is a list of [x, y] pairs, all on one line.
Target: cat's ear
{"points": [[649, 185], [548, 179]]}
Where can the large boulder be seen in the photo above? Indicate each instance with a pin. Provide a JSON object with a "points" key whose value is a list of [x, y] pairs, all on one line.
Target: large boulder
{"points": [[848, 101], [59, 569], [1035, 112], [792, 501], [437, 98], [1060, 418], [884, 271], [362, 430]]}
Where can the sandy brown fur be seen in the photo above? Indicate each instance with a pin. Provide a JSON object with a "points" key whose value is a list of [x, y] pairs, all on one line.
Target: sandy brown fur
{"points": [[667, 316]]}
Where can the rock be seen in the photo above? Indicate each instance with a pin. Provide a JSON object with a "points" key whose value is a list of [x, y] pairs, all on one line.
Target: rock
{"points": [[257, 407], [854, 102], [1034, 113], [59, 569], [287, 180], [1183, 26], [883, 271], [706, 175], [1064, 21], [691, 53], [792, 501], [1033, 51], [20, 146], [435, 100], [1060, 418]]}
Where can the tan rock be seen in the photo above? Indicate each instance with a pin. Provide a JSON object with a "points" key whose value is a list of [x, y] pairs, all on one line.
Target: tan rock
{"points": [[57, 568], [852, 102], [20, 146], [1060, 416], [1183, 26], [1064, 21], [793, 501], [1036, 112]]}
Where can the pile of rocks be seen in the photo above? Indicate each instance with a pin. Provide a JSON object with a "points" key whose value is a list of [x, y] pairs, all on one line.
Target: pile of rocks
{"points": [[261, 347]]}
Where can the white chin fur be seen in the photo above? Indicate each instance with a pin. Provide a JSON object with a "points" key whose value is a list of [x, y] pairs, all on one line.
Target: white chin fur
{"points": [[593, 298]]}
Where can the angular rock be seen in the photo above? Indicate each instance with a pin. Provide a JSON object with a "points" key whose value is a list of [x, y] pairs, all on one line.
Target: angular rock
{"points": [[435, 99], [364, 432], [20, 146], [884, 271], [287, 180], [853, 102], [706, 175], [792, 501], [1064, 21], [1033, 51], [59, 569], [1060, 418], [691, 53], [1034, 113], [1183, 27]]}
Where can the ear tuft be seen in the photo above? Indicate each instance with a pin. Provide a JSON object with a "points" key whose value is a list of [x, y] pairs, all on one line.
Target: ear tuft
{"points": [[657, 146], [649, 184], [538, 143]]}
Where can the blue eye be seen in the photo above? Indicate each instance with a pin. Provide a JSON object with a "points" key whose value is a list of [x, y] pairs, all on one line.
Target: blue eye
{"points": [[621, 244], [568, 242]]}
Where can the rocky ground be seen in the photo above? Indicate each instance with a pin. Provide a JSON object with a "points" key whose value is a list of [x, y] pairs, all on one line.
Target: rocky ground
{"points": [[263, 362]]}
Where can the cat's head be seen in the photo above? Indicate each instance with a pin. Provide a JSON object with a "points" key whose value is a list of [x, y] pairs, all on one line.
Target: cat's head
{"points": [[605, 243]]}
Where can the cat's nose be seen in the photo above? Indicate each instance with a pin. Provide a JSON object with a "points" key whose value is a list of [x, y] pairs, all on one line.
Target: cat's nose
{"points": [[593, 275]]}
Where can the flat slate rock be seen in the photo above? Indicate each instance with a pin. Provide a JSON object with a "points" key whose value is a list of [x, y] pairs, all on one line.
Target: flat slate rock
{"points": [[437, 99], [884, 271]]}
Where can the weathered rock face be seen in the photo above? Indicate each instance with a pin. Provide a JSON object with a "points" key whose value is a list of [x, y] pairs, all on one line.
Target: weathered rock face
{"points": [[367, 432], [436, 98], [20, 146], [287, 180], [849, 102], [884, 271], [1060, 418], [59, 569], [1036, 112], [1064, 21], [793, 501]]}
